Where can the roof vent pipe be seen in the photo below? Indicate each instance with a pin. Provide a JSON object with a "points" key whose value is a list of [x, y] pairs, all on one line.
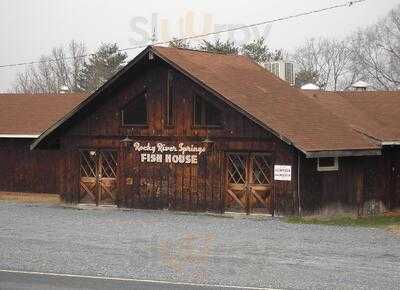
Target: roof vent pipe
{"points": [[63, 89], [310, 87], [360, 86]]}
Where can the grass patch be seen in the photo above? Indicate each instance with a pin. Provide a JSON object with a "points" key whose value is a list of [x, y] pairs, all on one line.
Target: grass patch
{"points": [[30, 198], [380, 221]]}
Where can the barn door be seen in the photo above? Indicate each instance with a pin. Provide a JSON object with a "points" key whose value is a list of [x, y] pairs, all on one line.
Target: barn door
{"points": [[98, 173], [261, 179], [107, 177], [249, 182]]}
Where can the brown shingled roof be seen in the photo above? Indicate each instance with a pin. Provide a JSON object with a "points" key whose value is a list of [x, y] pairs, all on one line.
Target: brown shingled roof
{"points": [[286, 111], [274, 103], [32, 114], [376, 114]]}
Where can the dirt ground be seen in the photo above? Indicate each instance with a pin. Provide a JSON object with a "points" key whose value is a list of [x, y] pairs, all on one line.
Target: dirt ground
{"points": [[394, 229], [22, 197]]}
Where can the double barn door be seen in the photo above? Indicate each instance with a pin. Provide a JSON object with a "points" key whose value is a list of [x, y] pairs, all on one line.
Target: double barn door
{"points": [[98, 171], [250, 182]]}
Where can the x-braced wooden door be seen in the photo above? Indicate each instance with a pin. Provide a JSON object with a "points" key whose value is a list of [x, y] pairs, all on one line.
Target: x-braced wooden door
{"points": [[250, 184], [98, 171]]}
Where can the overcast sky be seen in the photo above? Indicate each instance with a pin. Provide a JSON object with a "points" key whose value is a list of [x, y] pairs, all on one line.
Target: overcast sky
{"points": [[30, 28]]}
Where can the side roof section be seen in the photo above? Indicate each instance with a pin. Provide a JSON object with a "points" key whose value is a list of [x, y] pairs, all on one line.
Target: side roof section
{"points": [[29, 115], [375, 114]]}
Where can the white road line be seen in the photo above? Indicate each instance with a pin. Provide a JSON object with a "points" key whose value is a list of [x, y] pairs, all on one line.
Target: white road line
{"points": [[132, 280]]}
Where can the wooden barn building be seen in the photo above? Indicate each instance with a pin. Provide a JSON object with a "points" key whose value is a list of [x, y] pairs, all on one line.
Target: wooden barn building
{"points": [[23, 117], [188, 130]]}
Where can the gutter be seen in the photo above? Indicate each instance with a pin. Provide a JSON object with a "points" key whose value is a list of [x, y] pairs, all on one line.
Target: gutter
{"points": [[343, 153], [390, 143]]}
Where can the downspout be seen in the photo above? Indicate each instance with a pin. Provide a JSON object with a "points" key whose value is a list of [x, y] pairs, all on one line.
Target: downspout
{"points": [[298, 183]]}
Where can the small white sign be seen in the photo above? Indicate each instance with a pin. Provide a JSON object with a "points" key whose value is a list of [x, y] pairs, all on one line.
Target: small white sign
{"points": [[283, 172]]}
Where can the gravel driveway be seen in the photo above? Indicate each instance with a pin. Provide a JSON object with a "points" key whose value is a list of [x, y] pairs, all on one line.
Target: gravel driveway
{"points": [[196, 248]]}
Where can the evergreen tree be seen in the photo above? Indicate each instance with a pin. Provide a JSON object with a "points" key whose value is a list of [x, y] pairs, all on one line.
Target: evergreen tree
{"points": [[179, 43], [257, 50], [101, 66], [218, 46]]}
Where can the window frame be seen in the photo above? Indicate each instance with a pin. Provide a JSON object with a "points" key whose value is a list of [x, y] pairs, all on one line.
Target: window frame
{"points": [[170, 100], [145, 125], [335, 166], [248, 174], [205, 100]]}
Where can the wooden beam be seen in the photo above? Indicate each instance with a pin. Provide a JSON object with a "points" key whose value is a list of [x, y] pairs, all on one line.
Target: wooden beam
{"points": [[88, 191], [233, 195], [107, 190], [258, 197]]}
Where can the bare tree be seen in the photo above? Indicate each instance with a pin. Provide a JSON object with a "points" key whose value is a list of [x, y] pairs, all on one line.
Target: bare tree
{"points": [[371, 54], [328, 59], [376, 52], [338, 54], [60, 68]]}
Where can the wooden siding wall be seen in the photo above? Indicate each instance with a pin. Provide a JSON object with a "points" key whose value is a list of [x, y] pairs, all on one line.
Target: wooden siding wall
{"points": [[186, 187], [23, 170], [359, 179], [179, 187], [392, 184], [68, 175]]}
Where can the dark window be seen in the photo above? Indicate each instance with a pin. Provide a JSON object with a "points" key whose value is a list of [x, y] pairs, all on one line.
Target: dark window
{"points": [[328, 164], [169, 114], [205, 113], [135, 112]]}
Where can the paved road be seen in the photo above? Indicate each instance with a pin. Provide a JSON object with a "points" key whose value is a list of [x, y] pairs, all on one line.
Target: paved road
{"points": [[13, 280], [196, 249]]}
